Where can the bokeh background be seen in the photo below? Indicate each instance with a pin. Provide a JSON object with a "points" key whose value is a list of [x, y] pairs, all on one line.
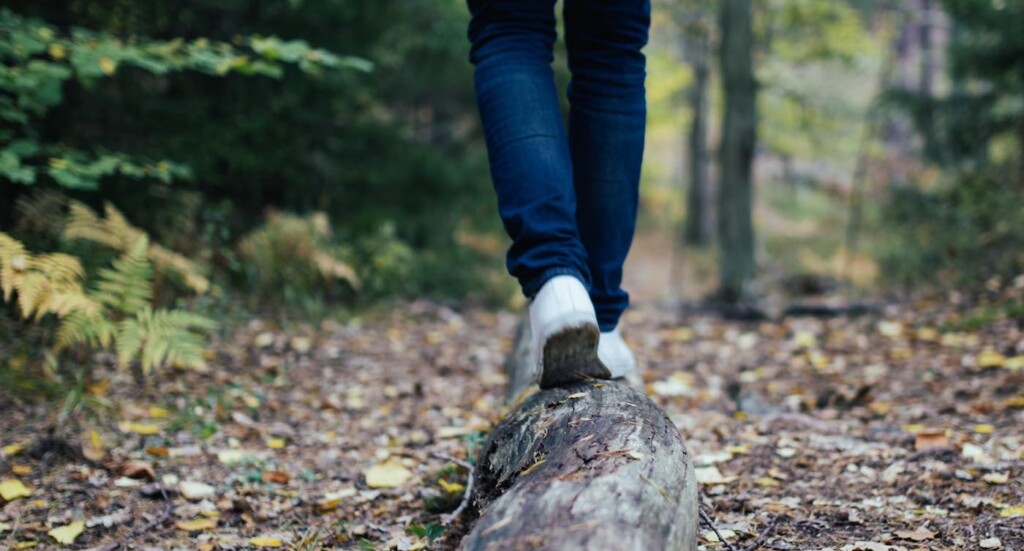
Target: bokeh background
{"points": [[323, 156]]}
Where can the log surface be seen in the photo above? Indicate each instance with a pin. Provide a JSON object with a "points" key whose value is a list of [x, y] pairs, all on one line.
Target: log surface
{"points": [[593, 466]]}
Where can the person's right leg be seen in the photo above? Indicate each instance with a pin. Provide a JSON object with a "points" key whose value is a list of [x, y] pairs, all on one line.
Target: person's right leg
{"points": [[532, 173], [526, 141]]}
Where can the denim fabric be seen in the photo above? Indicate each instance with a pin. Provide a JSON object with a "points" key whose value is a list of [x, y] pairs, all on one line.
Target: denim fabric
{"points": [[568, 199]]}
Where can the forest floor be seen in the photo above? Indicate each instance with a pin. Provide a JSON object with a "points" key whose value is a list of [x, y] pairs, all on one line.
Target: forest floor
{"points": [[897, 430]]}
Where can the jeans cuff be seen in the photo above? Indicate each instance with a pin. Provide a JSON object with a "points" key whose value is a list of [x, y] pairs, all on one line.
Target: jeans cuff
{"points": [[531, 287]]}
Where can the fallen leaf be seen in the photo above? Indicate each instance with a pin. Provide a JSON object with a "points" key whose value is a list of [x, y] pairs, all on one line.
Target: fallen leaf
{"points": [[157, 451], [195, 491], [157, 412], [990, 358], [765, 482], [4, 526], [276, 477], [21, 469], [12, 488], [66, 535], [301, 344], [145, 429], [451, 487], [678, 384], [990, 543], [921, 534], [232, 457], [275, 443], [264, 339], [265, 542], [196, 525], [996, 478], [984, 429], [12, 450], [891, 329], [138, 470], [389, 474], [332, 500], [712, 537], [930, 439], [92, 446], [711, 475], [1012, 512]]}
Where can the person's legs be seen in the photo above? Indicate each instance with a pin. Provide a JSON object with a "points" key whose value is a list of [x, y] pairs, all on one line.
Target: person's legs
{"points": [[607, 121], [532, 172], [526, 141]]}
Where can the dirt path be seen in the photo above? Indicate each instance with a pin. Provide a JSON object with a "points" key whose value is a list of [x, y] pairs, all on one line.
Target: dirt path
{"points": [[902, 433]]}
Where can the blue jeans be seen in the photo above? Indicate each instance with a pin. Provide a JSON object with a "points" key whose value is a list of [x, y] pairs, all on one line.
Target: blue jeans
{"points": [[568, 199]]}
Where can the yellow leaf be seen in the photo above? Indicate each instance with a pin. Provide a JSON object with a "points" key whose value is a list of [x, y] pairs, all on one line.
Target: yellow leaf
{"points": [[92, 446], [275, 443], [990, 358], [57, 51], [108, 66], [805, 339], [927, 334], [265, 542], [996, 478], [196, 525], [26, 544], [1015, 363], [984, 429], [765, 482], [451, 487], [145, 429], [389, 474], [1012, 512], [12, 449], [157, 412], [66, 534], [12, 488], [332, 500], [21, 469]]}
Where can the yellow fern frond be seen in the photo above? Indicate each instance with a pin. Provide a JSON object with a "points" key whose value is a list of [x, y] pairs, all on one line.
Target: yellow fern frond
{"points": [[83, 223], [189, 271], [116, 232], [85, 329], [58, 267]]}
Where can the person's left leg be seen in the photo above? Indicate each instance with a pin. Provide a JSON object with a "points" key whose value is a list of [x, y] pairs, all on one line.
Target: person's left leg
{"points": [[607, 122]]}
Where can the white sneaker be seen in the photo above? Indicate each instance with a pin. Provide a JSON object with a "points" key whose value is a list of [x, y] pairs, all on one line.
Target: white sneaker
{"points": [[564, 334], [616, 355]]}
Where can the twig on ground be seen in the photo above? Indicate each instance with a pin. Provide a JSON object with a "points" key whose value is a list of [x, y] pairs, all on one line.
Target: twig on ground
{"points": [[466, 496], [763, 536], [711, 524]]}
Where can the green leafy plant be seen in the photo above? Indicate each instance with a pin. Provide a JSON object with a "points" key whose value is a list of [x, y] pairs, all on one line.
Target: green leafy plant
{"points": [[36, 61]]}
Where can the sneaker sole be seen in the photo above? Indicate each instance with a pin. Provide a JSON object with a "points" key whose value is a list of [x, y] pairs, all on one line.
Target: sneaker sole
{"points": [[570, 356]]}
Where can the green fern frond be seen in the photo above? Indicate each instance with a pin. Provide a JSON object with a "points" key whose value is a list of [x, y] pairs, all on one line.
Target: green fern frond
{"points": [[162, 337], [127, 286]]}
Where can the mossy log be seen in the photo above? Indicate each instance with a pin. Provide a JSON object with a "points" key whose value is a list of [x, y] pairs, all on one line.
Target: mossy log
{"points": [[593, 466]]}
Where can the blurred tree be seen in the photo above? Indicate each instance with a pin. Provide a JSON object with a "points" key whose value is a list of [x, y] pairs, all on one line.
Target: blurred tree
{"points": [[739, 135], [695, 24]]}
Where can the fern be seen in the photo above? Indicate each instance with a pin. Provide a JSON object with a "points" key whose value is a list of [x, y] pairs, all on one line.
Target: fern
{"points": [[159, 337], [44, 284], [116, 232], [116, 313], [127, 286]]}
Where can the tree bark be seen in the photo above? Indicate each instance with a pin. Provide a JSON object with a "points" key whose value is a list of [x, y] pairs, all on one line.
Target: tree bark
{"points": [[594, 466], [698, 215], [739, 134]]}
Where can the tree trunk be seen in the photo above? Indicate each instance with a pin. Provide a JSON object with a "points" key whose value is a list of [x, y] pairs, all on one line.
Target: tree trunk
{"points": [[739, 134], [594, 466], [698, 215]]}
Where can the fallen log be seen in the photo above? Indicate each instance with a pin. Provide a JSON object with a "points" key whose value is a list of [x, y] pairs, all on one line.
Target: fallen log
{"points": [[592, 466]]}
